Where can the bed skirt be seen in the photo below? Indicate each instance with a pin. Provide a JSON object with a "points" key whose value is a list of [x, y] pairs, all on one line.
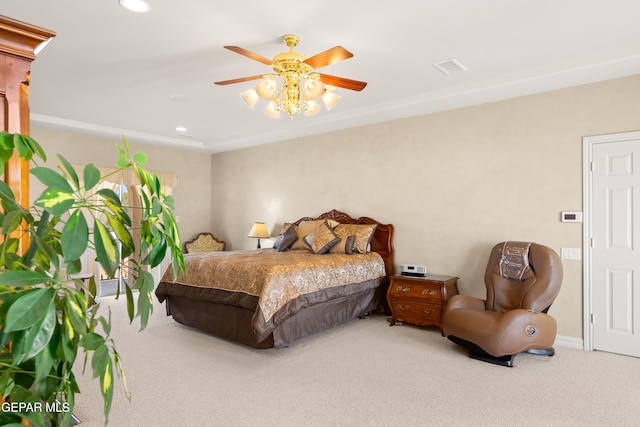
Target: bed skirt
{"points": [[235, 323]]}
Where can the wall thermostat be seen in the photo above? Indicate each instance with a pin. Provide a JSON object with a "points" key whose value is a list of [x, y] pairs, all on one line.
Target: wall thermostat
{"points": [[571, 217]]}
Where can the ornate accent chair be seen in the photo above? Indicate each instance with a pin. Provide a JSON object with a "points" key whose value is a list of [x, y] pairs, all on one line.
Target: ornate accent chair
{"points": [[522, 280], [204, 242]]}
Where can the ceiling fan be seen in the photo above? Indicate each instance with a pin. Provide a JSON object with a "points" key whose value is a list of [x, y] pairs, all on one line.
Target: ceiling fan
{"points": [[300, 85]]}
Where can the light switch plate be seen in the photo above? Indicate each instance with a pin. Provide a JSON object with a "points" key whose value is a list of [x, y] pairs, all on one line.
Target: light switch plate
{"points": [[571, 253]]}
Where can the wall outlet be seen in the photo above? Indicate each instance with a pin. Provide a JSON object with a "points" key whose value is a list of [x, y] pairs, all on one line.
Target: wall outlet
{"points": [[571, 253]]}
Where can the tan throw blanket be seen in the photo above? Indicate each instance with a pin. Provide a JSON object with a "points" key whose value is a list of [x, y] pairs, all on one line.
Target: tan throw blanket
{"points": [[276, 277]]}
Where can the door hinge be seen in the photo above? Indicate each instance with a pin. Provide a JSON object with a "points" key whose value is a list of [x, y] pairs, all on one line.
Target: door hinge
{"points": [[591, 318]]}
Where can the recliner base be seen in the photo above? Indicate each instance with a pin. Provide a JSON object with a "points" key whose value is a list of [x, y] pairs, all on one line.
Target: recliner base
{"points": [[476, 352], [506, 360]]}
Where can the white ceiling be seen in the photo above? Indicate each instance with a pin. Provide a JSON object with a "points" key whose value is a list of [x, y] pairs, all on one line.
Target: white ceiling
{"points": [[113, 72]]}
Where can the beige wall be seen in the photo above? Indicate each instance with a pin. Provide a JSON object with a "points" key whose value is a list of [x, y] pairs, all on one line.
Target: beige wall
{"points": [[192, 195], [453, 183]]}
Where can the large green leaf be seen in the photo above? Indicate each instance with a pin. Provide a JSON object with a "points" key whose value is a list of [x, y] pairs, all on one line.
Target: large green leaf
{"points": [[158, 252], [106, 383], [55, 201], [52, 179], [144, 284], [130, 303], [75, 310], [106, 249], [123, 234], [45, 359], [140, 157], [112, 201], [99, 360], [91, 341], [68, 170], [6, 139], [22, 278], [35, 147], [5, 155], [91, 176], [74, 266], [68, 341], [5, 192], [23, 148], [29, 308], [11, 221], [40, 333], [27, 147], [75, 236]]}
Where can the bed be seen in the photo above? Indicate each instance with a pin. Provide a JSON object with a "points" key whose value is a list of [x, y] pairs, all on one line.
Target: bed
{"points": [[269, 298]]}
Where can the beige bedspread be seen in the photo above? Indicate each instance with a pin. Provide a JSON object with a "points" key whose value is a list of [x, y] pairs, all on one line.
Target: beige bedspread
{"points": [[276, 277]]}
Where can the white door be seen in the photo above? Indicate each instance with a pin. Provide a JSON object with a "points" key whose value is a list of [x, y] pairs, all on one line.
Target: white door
{"points": [[615, 252]]}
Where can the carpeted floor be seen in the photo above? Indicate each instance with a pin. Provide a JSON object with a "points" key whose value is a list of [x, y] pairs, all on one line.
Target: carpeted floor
{"points": [[364, 373]]}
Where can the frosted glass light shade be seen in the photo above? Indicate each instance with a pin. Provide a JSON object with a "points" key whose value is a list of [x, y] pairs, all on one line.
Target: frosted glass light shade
{"points": [[266, 88], [270, 110], [250, 97], [313, 89], [312, 109], [330, 99]]}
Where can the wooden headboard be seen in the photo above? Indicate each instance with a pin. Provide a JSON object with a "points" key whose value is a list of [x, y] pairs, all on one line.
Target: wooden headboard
{"points": [[381, 242]]}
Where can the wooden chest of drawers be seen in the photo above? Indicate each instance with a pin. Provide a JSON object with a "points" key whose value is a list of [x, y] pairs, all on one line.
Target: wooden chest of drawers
{"points": [[420, 301]]}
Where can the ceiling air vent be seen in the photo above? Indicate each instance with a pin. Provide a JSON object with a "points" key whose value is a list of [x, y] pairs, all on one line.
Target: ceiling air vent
{"points": [[450, 66]]}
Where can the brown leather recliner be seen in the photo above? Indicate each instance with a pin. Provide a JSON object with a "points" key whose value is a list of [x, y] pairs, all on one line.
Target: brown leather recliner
{"points": [[522, 280]]}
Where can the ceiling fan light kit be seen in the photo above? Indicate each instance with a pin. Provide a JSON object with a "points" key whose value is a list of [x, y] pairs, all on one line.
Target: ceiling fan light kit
{"points": [[295, 86]]}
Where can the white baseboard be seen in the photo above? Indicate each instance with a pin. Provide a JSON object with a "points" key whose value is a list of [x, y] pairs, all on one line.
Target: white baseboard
{"points": [[571, 342]]}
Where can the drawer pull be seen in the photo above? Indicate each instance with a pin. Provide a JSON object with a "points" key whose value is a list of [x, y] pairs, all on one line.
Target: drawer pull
{"points": [[404, 307], [429, 292], [403, 289], [430, 311]]}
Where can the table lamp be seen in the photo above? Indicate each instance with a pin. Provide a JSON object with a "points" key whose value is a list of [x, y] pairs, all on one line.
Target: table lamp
{"points": [[259, 231]]}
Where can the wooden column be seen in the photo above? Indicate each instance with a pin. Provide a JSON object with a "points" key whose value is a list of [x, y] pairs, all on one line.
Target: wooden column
{"points": [[18, 41]]}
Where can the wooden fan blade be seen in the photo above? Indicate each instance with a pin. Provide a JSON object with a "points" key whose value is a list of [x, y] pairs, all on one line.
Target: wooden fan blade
{"points": [[328, 57], [342, 82], [249, 54], [240, 80]]}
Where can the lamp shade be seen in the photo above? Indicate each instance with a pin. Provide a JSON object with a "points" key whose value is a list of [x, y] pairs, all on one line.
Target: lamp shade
{"points": [[259, 230]]}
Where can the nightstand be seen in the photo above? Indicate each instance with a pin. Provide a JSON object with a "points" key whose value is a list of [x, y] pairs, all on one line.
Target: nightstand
{"points": [[420, 301]]}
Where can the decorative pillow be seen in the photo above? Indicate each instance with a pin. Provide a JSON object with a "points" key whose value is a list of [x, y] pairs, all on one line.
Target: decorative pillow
{"points": [[306, 227], [344, 246], [321, 239], [363, 233], [286, 238]]}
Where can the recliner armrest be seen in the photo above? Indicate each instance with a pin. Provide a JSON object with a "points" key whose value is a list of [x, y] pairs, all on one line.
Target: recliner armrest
{"points": [[464, 301]]}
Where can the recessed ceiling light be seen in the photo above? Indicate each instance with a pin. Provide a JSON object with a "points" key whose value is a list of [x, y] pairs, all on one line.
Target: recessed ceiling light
{"points": [[139, 6], [181, 129]]}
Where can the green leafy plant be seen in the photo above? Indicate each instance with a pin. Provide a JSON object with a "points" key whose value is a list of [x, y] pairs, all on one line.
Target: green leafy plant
{"points": [[45, 316]]}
